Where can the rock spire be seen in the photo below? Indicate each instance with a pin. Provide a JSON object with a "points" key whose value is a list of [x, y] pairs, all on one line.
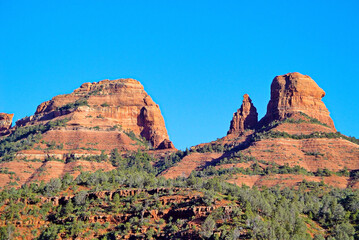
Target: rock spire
{"points": [[245, 118]]}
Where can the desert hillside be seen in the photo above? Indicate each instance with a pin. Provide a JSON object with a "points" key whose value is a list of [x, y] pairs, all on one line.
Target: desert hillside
{"points": [[98, 164]]}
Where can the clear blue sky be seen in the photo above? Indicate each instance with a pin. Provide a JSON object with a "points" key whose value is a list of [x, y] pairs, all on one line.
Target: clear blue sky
{"points": [[195, 58]]}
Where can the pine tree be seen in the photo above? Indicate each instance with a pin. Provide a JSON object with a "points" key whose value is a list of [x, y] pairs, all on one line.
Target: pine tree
{"points": [[68, 209]]}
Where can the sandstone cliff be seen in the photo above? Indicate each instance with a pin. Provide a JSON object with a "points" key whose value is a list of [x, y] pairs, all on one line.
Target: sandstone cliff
{"points": [[297, 132], [119, 114], [293, 93], [245, 118], [121, 103]]}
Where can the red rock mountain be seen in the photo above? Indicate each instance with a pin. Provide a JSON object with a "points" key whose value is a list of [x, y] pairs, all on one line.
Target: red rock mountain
{"points": [[296, 132], [245, 118], [293, 93], [103, 105], [99, 117]]}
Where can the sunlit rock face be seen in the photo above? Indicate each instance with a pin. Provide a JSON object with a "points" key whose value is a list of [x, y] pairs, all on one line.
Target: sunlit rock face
{"points": [[245, 118], [105, 104], [293, 93]]}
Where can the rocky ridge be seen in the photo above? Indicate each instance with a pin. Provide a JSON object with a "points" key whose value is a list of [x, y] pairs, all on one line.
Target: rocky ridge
{"points": [[296, 132], [100, 180], [97, 118], [121, 103]]}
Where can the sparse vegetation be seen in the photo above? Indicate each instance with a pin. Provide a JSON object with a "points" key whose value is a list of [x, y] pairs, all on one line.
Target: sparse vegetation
{"points": [[138, 139], [76, 104], [316, 154], [25, 137], [276, 134], [116, 127]]}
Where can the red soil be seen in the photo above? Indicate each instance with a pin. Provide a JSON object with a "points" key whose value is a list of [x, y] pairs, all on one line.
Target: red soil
{"points": [[190, 163], [286, 180], [38, 171]]}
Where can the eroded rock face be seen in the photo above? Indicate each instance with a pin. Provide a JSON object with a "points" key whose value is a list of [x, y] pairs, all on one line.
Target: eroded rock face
{"points": [[293, 93], [122, 103], [5, 121], [245, 118]]}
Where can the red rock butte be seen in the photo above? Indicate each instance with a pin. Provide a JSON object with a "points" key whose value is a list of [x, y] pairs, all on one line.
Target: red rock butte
{"points": [[296, 131], [294, 93], [104, 104]]}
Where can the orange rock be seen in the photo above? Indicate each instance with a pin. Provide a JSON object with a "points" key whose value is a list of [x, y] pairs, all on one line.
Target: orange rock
{"points": [[5, 121], [166, 144], [105, 104], [245, 118], [293, 93]]}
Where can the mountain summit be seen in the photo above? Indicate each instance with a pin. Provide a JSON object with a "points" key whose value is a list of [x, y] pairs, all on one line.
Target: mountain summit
{"points": [[296, 135], [293, 93], [103, 105]]}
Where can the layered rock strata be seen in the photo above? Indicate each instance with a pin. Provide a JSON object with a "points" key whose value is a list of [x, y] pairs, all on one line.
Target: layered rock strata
{"points": [[122, 103], [293, 93]]}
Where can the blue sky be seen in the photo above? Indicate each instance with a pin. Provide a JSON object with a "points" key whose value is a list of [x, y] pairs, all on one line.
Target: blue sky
{"points": [[195, 58]]}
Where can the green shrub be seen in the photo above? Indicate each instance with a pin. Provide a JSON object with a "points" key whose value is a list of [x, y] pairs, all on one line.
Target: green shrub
{"points": [[78, 103]]}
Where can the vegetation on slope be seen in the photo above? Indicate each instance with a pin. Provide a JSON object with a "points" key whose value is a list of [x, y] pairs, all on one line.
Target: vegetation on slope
{"points": [[25, 138], [78, 103], [266, 132], [230, 212], [135, 201], [267, 214]]}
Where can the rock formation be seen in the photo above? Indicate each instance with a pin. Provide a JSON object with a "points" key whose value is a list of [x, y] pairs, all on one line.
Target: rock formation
{"points": [[166, 144], [5, 121], [121, 103], [293, 93], [245, 118]]}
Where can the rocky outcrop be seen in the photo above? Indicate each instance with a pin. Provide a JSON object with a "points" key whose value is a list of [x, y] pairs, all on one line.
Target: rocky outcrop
{"points": [[245, 118], [5, 121], [166, 144], [121, 103], [293, 93]]}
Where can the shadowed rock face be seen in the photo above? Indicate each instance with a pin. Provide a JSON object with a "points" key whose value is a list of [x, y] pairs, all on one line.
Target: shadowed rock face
{"points": [[245, 118], [105, 104], [166, 144], [293, 93], [5, 121]]}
